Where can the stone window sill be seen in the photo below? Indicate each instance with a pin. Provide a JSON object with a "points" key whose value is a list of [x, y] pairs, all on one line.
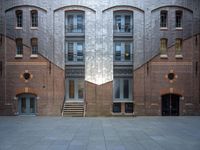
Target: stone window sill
{"points": [[34, 28], [179, 56], [34, 56], [179, 28], [164, 56], [18, 56], [18, 28], [163, 28]]}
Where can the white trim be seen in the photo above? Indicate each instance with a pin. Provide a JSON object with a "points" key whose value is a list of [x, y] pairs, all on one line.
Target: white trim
{"points": [[18, 56], [34, 28], [33, 56], [179, 56], [18, 28], [179, 28], [163, 28], [165, 56]]}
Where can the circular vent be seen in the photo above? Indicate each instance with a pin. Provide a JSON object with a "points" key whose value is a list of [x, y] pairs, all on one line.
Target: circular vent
{"points": [[26, 76], [171, 76]]}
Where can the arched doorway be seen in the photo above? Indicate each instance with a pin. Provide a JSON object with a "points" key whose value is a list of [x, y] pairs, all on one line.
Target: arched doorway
{"points": [[170, 105], [26, 104]]}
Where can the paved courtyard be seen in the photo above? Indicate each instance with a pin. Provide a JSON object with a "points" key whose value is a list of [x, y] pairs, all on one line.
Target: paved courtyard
{"points": [[138, 133]]}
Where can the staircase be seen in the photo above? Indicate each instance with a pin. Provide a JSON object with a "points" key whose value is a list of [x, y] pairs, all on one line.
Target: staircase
{"points": [[73, 109]]}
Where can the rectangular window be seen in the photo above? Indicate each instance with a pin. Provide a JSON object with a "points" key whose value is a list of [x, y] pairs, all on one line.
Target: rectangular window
{"points": [[34, 46], [1, 39], [123, 22], [122, 51], [163, 19], [34, 18], [178, 19], [74, 51], [163, 46], [128, 107], [74, 22], [122, 89], [19, 46], [75, 89], [178, 46], [19, 18], [116, 107], [32, 105]]}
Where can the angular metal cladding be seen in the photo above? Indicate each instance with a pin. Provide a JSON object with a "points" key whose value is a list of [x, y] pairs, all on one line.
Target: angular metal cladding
{"points": [[99, 29]]}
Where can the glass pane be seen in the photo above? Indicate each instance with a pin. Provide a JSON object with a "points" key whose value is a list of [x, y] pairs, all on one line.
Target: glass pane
{"points": [[23, 105], [127, 51], [79, 49], [127, 23], [79, 23], [118, 22], [129, 107], [117, 107], [126, 89], [80, 89], [70, 52], [71, 88], [32, 105], [118, 51], [117, 88], [70, 23]]}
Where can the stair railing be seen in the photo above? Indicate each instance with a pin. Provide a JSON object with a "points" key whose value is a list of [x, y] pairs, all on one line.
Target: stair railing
{"points": [[62, 106]]}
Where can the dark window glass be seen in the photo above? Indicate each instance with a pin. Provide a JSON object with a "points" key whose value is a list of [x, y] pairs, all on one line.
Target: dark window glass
{"points": [[79, 23], [127, 23], [127, 51], [79, 50], [80, 89], [19, 18], [117, 88], [23, 105], [26, 76], [32, 105], [128, 107], [178, 19], [163, 19], [126, 89], [171, 76], [118, 52], [1, 68], [34, 18], [34, 46], [116, 107], [70, 51], [19, 46], [71, 88]]}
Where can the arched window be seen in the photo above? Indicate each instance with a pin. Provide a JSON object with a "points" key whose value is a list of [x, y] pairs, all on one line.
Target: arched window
{"points": [[19, 18], [19, 46], [163, 19], [179, 15], [34, 18], [163, 46], [34, 46]]}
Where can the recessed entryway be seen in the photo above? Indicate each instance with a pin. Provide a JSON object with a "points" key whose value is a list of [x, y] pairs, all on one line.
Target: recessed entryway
{"points": [[27, 104], [170, 105]]}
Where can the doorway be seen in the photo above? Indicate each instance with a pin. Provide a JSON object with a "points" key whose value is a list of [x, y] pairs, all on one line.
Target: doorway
{"points": [[26, 104], [170, 105]]}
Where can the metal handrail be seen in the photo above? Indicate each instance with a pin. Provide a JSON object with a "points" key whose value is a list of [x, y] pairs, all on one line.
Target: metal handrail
{"points": [[122, 28], [62, 106], [75, 28], [75, 58]]}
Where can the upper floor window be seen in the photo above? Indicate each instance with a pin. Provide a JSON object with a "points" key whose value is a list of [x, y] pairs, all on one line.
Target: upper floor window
{"points": [[19, 18], [163, 46], [122, 88], [163, 19], [123, 22], [74, 51], [122, 51], [74, 22], [19, 46], [179, 19], [34, 18], [178, 46], [34, 46]]}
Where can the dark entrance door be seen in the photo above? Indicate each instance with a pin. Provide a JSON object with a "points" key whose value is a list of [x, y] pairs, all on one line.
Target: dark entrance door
{"points": [[170, 105], [27, 104]]}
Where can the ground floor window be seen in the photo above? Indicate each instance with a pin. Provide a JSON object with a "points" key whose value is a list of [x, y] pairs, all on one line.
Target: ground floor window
{"points": [[128, 107], [122, 89], [75, 89], [116, 107]]}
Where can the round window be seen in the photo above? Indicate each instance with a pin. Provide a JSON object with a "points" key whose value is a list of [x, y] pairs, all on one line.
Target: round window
{"points": [[26, 76], [171, 76]]}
